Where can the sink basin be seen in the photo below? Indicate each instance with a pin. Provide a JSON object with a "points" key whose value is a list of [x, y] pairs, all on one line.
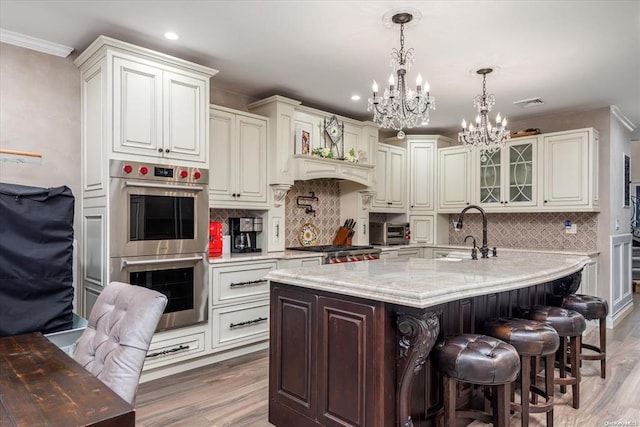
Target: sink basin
{"points": [[449, 259]]}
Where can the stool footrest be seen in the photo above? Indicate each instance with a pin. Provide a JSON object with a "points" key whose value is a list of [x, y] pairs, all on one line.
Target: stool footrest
{"points": [[475, 414]]}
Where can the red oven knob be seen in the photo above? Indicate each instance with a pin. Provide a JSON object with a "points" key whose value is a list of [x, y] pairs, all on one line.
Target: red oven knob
{"points": [[197, 175], [184, 174], [127, 168], [144, 170]]}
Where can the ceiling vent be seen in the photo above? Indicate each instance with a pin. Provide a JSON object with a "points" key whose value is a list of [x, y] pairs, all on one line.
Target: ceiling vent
{"points": [[528, 103]]}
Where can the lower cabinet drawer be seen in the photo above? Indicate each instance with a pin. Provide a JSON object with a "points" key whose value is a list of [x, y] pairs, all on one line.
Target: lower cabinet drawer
{"points": [[236, 283], [174, 350], [239, 325]]}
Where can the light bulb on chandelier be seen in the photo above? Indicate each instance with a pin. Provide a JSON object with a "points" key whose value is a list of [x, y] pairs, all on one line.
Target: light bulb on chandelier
{"points": [[485, 136], [400, 107]]}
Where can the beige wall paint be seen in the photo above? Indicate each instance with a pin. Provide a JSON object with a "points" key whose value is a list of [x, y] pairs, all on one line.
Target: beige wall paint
{"points": [[40, 112], [635, 161]]}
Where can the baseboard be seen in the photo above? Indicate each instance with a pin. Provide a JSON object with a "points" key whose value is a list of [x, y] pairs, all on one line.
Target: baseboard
{"points": [[612, 320]]}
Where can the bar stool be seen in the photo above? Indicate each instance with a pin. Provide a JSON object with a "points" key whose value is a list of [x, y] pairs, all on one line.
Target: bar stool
{"points": [[591, 308], [569, 325], [531, 339], [482, 360]]}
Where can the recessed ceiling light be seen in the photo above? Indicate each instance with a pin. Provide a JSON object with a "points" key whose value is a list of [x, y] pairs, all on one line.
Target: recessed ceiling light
{"points": [[355, 97], [170, 35]]}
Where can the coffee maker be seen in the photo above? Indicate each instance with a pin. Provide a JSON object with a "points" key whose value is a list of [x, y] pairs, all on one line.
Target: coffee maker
{"points": [[243, 234]]}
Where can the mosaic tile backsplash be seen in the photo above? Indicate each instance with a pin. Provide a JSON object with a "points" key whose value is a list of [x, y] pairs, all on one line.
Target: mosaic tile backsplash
{"points": [[327, 215], [529, 230]]}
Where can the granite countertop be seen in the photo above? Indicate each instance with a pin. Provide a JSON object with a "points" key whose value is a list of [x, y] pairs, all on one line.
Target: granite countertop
{"points": [[262, 256], [421, 283]]}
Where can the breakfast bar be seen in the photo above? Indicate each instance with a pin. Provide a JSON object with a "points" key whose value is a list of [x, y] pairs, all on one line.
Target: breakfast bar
{"points": [[350, 343]]}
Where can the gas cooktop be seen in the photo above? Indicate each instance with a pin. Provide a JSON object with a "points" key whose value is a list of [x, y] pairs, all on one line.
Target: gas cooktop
{"points": [[329, 248]]}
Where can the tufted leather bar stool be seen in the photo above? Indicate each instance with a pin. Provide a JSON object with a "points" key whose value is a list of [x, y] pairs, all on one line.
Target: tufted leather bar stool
{"points": [[591, 308], [482, 360], [569, 325], [532, 340]]}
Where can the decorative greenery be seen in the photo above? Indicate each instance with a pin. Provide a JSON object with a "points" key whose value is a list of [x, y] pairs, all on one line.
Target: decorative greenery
{"points": [[326, 153]]}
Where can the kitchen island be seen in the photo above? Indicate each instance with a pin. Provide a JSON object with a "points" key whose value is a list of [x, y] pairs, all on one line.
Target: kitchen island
{"points": [[350, 343]]}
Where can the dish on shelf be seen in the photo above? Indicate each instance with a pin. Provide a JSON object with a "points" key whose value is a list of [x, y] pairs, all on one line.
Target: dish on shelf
{"points": [[308, 235]]}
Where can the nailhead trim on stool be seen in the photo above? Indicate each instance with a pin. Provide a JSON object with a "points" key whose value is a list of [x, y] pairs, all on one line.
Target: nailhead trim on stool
{"points": [[531, 339], [569, 325], [591, 308], [477, 359]]}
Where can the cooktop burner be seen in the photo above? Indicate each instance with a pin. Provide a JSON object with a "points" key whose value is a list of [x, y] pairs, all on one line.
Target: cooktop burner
{"points": [[329, 248]]}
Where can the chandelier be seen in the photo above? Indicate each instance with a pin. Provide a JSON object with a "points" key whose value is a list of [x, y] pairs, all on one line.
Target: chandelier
{"points": [[484, 136], [400, 107]]}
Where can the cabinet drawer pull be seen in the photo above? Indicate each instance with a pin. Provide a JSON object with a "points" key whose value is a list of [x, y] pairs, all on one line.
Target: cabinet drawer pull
{"points": [[249, 283], [169, 351], [248, 322], [277, 230]]}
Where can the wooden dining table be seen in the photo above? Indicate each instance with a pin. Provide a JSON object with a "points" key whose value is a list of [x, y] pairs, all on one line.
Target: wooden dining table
{"points": [[40, 385]]}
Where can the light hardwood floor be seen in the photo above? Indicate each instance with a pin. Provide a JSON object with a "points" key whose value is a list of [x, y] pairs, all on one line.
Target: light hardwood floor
{"points": [[234, 392]]}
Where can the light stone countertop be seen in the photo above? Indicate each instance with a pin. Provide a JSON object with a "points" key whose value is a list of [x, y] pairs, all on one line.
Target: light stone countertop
{"points": [[422, 283]]}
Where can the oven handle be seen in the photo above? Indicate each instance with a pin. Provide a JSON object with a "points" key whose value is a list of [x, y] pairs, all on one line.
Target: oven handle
{"points": [[126, 263], [193, 188]]}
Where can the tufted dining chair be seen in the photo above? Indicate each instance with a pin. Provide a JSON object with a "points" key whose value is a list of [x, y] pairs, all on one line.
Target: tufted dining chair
{"points": [[115, 343]]}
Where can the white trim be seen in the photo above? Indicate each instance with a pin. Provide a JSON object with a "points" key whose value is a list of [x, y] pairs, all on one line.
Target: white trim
{"points": [[615, 112], [33, 43], [614, 319]]}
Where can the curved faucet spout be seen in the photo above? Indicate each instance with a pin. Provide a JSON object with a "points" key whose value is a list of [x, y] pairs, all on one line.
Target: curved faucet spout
{"points": [[484, 250]]}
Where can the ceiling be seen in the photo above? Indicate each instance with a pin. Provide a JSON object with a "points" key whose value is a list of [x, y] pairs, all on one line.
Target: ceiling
{"points": [[575, 55]]}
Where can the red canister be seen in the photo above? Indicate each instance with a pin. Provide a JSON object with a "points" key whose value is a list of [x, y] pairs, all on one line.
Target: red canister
{"points": [[215, 239]]}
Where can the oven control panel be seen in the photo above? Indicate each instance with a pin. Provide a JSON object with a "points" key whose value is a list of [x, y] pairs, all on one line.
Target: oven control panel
{"points": [[154, 172]]}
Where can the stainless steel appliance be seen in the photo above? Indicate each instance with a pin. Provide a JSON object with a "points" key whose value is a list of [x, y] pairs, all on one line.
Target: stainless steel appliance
{"points": [[243, 234], [389, 233], [336, 254], [159, 235]]}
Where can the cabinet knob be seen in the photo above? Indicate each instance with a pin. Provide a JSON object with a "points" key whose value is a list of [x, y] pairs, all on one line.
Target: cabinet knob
{"points": [[159, 150], [411, 206], [506, 201], [468, 203], [233, 195], [502, 203], [545, 201], [166, 150]]}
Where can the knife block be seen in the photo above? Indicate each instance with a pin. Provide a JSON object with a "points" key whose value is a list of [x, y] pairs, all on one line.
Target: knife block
{"points": [[342, 236]]}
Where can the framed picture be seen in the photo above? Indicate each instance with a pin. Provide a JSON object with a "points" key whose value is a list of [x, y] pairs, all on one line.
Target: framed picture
{"points": [[626, 181], [302, 140]]}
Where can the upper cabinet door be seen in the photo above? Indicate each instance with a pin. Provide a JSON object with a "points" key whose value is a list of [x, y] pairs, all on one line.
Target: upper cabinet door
{"points": [[137, 108], [566, 169], [221, 176], [185, 106], [421, 176], [454, 179], [391, 179], [252, 159]]}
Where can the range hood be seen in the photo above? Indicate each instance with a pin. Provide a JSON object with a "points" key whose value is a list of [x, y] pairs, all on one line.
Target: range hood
{"points": [[303, 167]]}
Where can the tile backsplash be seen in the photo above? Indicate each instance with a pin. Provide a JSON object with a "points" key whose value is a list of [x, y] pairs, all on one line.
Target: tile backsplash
{"points": [[327, 215], [529, 230], [223, 215]]}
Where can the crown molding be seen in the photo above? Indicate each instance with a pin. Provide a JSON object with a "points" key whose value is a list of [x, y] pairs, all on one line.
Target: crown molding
{"points": [[615, 111], [33, 43]]}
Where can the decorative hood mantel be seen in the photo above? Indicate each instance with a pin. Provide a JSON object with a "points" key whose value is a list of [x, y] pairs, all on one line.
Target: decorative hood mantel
{"points": [[305, 167]]}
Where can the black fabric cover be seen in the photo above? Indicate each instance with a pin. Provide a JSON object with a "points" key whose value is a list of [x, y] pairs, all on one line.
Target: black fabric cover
{"points": [[36, 259]]}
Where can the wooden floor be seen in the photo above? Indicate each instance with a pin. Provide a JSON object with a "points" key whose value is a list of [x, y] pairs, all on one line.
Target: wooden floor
{"points": [[234, 393]]}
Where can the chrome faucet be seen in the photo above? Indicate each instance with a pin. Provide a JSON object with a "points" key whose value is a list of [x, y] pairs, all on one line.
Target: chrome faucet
{"points": [[484, 250]]}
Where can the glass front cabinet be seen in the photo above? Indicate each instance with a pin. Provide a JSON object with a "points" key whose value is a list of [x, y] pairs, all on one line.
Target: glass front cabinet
{"points": [[508, 178]]}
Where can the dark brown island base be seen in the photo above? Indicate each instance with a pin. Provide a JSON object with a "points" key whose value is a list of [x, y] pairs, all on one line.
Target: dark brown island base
{"points": [[350, 343]]}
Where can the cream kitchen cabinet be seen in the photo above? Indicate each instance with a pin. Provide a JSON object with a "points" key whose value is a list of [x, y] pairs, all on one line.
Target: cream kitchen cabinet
{"points": [[454, 179], [239, 303], [570, 170], [391, 179], [138, 105], [422, 229], [238, 175], [421, 174], [508, 178]]}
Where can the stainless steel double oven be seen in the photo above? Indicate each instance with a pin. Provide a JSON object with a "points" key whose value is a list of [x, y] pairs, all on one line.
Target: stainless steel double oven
{"points": [[159, 235]]}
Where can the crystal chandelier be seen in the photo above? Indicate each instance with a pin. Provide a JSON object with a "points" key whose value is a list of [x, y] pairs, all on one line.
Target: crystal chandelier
{"points": [[484, 136], [400, 107]]}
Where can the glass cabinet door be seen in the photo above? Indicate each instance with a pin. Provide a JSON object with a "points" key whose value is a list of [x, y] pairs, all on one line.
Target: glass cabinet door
{"points": [[508, 176], [521, 173], [490, 178]]}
